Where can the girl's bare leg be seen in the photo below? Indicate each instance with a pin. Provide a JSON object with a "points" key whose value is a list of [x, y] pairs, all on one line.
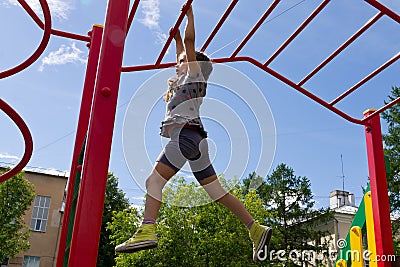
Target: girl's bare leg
{"points": [[154, 185], [214, 189]]}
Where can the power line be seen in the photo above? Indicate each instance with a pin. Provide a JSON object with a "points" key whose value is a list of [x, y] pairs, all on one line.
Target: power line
{"points": [[283, 12], [55, 141]]}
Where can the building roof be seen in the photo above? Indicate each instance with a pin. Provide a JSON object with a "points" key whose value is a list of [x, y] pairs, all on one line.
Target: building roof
{"points": [[52, 172], [40, 170], [346, 209]]}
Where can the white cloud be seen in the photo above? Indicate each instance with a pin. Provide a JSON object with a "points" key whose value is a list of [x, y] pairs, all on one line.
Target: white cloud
{"points": [[151, 12], [58, 8], [8, 156], [65, 54]]}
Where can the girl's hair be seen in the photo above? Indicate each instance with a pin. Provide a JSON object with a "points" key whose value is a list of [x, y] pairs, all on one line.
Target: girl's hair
{"points": [[206, 69], [168, 93], [205, 64]]}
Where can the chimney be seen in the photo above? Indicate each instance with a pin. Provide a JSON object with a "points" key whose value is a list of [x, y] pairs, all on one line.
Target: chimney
{"points": [[340, 198]]}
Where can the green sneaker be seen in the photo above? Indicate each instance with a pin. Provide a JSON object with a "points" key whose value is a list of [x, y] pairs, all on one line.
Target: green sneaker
{"points": [[144, 238], [260, 235]]}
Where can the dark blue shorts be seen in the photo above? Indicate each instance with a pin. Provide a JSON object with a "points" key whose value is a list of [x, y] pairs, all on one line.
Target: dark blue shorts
{"points": [[187, 144]]}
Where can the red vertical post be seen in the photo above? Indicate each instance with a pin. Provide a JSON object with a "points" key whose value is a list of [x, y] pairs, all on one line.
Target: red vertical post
{"points": [[379, 190], [86, 234], [83, 122]]}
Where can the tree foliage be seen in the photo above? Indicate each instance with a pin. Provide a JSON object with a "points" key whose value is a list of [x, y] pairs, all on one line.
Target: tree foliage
{"points": [[16, 196], [295, 219], [203, 235], [210, 235], [392, 150], [114, 201]]}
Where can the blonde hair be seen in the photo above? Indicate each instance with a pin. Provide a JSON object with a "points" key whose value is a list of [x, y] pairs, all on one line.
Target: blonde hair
{"points": [[168, 93]]}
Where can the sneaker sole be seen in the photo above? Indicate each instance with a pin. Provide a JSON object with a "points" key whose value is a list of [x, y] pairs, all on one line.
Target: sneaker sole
{"points": [[130, 248], [265, 238]]}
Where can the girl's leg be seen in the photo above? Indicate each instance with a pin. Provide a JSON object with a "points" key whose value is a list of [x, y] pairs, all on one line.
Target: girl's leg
{"points": [[259, 234], [167, 165], [154, 185], [218, 193], [145, 237]]}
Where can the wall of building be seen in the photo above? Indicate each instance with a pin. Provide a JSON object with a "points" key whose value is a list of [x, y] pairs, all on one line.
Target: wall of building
{"points": [[44, 244]]}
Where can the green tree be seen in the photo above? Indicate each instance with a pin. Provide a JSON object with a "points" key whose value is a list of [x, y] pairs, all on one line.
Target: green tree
{"points": [[16, 196], [194, 235], [294, 218], [114, 201], [392, 150]]}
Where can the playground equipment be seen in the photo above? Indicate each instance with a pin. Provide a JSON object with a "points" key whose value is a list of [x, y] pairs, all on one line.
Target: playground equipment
{"points": [[86, 188], [352, 252]]}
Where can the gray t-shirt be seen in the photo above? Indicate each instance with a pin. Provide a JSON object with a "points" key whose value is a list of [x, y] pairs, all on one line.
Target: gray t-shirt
{"points": [[183, 106]]}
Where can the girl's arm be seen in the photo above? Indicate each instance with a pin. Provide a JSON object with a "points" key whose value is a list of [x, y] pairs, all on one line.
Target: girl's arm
{"points": [[178, 44], [188, 41]]}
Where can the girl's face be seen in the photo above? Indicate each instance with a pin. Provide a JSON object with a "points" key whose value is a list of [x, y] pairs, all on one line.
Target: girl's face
{"points": [[181, 66]]}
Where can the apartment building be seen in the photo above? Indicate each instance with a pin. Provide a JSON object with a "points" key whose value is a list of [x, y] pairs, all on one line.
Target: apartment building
{"points": [[44, 218]]}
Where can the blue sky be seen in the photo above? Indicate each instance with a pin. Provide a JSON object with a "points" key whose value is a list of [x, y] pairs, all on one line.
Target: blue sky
{"points": [[309, 138]]}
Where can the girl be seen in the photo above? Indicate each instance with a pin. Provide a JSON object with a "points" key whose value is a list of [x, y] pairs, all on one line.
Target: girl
{"points": [[188, 142]]}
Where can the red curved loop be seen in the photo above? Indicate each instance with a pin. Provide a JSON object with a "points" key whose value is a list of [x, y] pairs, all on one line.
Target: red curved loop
{"points": [[40, 49], [27, 137]]}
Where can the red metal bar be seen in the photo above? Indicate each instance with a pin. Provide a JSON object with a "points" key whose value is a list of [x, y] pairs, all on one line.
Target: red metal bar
{"points": [[298, 31], [379, 190], [366, 79], [342, 47], [218, 26], [283, 79], [71, 35], [384, 9], [42, 46], [86, 234], [26, 134], [83, 122], [255, 28], [148, 67], [39, 22], [132, 14], [172, 33], [291, 84], [382, 109]]}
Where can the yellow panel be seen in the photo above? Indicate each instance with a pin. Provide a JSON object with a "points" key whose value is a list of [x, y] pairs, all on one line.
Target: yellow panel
{"points": [[370, 229], [356, 247]]}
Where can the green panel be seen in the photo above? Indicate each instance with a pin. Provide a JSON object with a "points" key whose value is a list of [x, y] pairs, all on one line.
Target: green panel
{"points": [[387, 166], [359, 220], [73, 207]]}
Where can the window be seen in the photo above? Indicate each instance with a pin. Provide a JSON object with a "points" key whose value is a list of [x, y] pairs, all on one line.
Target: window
{"points": [[40, 213], [31, 261]]}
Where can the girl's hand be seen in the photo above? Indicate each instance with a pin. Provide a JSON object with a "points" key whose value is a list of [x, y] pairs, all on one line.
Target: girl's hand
{"points": [[177, 33], [189, 11]]}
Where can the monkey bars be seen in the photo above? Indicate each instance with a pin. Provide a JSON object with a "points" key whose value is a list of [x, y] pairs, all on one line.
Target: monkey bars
{"points": [[103, 75]]}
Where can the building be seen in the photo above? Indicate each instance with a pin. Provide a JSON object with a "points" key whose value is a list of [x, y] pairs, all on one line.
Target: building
{"points": [[44, 218], [343, 205]]}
